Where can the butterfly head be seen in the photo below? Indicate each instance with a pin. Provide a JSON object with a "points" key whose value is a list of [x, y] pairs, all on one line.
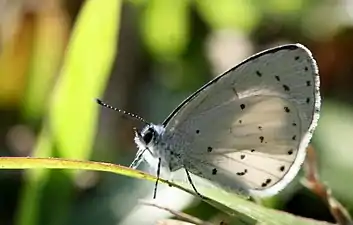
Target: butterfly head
{"points": [[149, 135], [146, 140]]}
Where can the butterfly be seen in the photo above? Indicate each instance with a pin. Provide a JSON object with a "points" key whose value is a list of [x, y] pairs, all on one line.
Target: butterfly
{"points": [[246, 130]]}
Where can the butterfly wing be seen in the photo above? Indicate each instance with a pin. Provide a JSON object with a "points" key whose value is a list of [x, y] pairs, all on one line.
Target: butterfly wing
{"points": [[251, 125]]}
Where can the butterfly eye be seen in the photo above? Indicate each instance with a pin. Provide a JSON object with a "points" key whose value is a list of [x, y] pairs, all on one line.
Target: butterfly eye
{"points": [[147, 137]]}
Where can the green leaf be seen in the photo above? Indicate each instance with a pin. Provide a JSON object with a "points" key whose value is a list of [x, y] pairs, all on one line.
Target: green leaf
{"points": [[72, 118], [165, 27], [35, 180], [230, 203], [83, 77], [229, 14]]}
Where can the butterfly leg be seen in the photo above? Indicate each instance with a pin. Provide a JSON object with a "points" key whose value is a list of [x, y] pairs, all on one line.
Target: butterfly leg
{"points": [[158, 175], [192, 184]]}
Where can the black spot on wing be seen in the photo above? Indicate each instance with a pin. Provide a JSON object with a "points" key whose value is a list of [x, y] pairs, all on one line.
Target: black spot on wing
{"points": [[209, 149], [214, 171], [267, 182], [242, 173]]}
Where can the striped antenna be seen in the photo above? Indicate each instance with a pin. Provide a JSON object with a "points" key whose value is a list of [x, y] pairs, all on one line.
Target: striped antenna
{"points": [[100, 102]]}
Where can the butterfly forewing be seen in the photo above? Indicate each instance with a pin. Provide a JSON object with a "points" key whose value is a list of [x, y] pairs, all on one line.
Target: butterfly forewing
{"points": [[252, 124]]}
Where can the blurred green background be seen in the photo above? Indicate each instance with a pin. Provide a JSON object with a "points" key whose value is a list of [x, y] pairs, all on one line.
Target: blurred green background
{"points": [[145, 56]]}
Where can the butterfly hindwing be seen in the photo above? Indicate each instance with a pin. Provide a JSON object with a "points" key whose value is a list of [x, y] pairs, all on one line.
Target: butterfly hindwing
{"points": [[256, 147]]}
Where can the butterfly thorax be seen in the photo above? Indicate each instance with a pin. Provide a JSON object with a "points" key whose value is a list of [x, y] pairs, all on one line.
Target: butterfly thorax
{"points": [[153, 141]]}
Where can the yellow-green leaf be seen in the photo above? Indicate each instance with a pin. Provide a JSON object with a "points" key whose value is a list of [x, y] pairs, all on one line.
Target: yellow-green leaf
{"points": [[83, 77], [165, 27], [229, 203]]}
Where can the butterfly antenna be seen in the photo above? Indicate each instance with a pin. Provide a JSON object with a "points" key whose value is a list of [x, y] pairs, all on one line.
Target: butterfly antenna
{"points": [[100, 102]]}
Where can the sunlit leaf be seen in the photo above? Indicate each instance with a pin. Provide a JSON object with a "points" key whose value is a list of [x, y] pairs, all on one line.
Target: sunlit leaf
{"points": [[230, 203], [28, 210], [165, 25], [83, 77], [229, 14], [283, 7]]}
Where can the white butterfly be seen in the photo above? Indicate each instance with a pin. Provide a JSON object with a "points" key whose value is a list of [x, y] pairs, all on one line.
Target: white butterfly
{"points": [[247, 129]]}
